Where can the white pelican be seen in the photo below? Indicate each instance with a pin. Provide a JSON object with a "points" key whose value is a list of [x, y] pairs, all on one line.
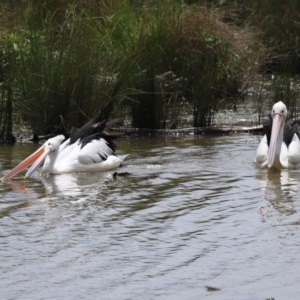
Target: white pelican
{"points": [[280, 146], [87, 149]]}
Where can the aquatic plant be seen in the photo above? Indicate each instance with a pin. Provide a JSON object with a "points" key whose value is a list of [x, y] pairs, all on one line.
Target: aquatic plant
{"points": [[155, 61], [7, 84], [278, 23]]}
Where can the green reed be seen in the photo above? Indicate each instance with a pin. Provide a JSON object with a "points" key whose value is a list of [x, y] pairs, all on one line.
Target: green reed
{"points": [[154, 61]]}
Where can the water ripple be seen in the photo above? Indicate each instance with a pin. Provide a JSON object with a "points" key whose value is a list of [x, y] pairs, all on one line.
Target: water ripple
{"points": [[181, 214]]}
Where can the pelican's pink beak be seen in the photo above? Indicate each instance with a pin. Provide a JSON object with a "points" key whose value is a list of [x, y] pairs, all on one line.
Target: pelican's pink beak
{"points": [[274, 147], [35, 159]]}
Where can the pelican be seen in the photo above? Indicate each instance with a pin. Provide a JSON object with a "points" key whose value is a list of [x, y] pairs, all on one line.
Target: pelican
{"points": [[280, 146], [87, 149]]}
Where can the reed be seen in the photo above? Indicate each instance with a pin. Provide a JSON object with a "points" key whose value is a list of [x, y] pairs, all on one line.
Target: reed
{"points": [[58, 65], [195, 47], [154, 61], [7, 83], [278, 21]]}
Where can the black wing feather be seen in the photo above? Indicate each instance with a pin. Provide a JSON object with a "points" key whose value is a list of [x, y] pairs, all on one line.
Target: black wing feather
{"points": [[289, 129], [95, 131]]}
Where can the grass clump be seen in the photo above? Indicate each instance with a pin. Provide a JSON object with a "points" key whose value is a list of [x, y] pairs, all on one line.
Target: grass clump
{"points": [[280, 23], [151, 60]]}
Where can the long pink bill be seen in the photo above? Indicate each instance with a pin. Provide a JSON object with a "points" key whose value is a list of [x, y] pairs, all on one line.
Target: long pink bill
{"points": [[24, 164], [276, 141], [37, 163]]}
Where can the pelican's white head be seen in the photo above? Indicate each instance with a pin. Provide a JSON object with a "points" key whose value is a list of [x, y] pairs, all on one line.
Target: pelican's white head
{"points": [[36, 158], [279, 113], [50, 147], [54, 143], [279, 108]]}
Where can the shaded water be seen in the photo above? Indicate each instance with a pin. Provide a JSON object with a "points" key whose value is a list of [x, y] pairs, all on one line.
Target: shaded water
{"points": [[189, 212]]}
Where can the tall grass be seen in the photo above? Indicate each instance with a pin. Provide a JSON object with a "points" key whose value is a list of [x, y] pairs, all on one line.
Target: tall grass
{"points": [[280, 22], [7, 84], [150, 60], [210, 61], [196, 48], [58, 68]]}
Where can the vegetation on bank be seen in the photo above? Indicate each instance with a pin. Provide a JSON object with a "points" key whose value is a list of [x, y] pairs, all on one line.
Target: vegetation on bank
{"points": [[64, 61]]}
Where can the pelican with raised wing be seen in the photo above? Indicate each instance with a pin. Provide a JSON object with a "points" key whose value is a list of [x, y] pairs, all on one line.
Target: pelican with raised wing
{"points": [[280, 146], [87, 149]]}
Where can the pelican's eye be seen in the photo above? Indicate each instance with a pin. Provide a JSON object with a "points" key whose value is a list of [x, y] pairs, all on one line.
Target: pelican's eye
{"points": [[282, 111]]}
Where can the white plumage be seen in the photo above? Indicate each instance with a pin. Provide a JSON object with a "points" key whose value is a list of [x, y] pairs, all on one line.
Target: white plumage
{"points": [[280, 146], [88, 149]]}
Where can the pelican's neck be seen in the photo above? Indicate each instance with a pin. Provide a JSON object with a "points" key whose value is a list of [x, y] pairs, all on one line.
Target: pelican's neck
{"points": [[50, 161], [279, 142]]}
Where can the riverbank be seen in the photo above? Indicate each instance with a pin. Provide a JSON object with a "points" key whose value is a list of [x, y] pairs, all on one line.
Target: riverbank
{"points": [[150, 60]]}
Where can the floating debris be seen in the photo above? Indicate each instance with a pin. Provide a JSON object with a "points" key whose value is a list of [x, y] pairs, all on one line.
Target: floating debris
{"points": [[212, 288], [115, 175]]}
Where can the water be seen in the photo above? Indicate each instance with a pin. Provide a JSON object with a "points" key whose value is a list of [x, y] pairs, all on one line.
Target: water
{"points": [[184, 215]]}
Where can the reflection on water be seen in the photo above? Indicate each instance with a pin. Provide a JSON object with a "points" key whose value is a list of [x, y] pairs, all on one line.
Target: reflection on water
{"points": [[280, 189], [181, 214]]}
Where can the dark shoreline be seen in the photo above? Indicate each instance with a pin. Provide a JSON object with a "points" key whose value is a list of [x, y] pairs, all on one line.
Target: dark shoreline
{"points": [[142, 132]]}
